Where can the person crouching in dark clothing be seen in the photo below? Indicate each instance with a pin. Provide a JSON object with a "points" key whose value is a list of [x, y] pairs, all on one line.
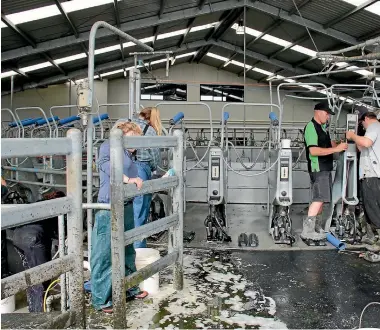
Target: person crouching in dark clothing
{"points": [[33, 242]]}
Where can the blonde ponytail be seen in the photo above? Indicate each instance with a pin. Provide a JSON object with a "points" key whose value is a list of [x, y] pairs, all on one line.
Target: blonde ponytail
{"points": [[152, 115]]}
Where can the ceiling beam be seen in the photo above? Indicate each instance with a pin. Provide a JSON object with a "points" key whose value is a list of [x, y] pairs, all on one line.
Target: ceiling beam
{"points": [[162, 8], [126, 27], [270, 28], [299, 6], [29, 40], [201, 4], [156, 30], [188, 28], [72, 26], [312, 25], [229, 60], [17, 30], [177, 16], [117, 19], [67, 19], [350, 13], [82, 73], [296, 42], [369, 35], [266, 59]]}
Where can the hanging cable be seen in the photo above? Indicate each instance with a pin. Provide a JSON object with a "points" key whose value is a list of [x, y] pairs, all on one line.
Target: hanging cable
{"points": [[307, 29]]}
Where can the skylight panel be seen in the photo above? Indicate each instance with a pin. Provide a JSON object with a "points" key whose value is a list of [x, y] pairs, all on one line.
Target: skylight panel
{"points": [[70, 6], [375, 8], [203, 27], [241, 64], [106, 49], [111, 72], [36, 67], [171, 34], [304, 50], [267, 73], [8, 74], [218, 57], [70, 58], [52, 10], [276, 40], [158, 61], [34, 14], [185, 55]]}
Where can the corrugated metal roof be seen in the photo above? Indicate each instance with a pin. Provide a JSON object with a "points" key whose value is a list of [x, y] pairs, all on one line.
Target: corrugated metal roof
{"points": [[52, 28], [15, 6]]}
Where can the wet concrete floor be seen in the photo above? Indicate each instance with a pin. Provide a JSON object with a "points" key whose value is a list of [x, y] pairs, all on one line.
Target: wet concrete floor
{"points": [[316, 289]]}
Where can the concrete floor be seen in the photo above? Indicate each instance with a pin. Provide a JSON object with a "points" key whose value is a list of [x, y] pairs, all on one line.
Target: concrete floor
{"points": [[243, 218]]}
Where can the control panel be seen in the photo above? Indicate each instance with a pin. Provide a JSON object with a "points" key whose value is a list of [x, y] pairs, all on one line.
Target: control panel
{"points": [[217, 178], [284, 190], [352, 125]]}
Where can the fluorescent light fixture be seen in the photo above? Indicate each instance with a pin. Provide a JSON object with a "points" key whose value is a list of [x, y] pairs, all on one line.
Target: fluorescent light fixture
{"points": [[206, 97], [158, 61], [267, 73], [171, 34], [180, 90], [145, 96], [290, 80], [203, 27], [8, 74], [112, 72], [70, 58], [218, 57], [36, 67], [185, 55], [241, 64], [304, 50], [378, 79], [276, 40], [106, 49]]}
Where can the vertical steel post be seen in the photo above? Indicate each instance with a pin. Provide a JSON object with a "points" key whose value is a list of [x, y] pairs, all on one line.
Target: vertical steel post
{"points": [[61, 248], [176, 233], [75, 226], [137, 91], [117, 230], [131, 92]]}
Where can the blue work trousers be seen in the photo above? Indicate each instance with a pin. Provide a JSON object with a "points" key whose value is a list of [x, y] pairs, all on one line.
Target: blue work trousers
{"points": [[141, 204], [101, 264]]}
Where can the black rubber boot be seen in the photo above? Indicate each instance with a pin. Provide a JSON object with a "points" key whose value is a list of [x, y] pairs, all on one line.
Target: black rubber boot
{"points": [[318, 225], [369, 237], [308, 232]]}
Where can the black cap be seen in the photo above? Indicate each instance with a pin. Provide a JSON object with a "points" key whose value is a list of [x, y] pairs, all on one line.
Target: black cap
{"points": [[361, 111], [325, 107]]}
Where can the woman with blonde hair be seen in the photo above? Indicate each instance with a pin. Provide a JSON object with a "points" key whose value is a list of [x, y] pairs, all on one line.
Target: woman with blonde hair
{"points": [[101, 265], [146, 160]]}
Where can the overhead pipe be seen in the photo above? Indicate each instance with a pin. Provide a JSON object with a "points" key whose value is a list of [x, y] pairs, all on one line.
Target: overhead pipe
{"points": [[90, 127], [359, 46]]}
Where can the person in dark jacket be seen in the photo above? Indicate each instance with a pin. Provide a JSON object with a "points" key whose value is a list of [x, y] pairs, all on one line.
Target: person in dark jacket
{"points": [[33, 243]]}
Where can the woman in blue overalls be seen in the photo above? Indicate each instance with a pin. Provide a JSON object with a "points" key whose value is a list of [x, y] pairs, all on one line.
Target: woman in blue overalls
{"points": [[146, 161], [101, 265]]}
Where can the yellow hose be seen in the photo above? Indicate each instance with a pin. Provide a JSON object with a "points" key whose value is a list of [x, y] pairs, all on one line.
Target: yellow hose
{"points": [[47, 291]]}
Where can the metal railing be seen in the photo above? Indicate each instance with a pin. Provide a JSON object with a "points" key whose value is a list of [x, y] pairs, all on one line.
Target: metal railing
{"points": [[173, 222], [21, 214]]}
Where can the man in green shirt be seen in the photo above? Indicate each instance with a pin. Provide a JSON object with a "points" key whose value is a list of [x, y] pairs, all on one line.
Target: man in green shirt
{"points": [[319, 155]]}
